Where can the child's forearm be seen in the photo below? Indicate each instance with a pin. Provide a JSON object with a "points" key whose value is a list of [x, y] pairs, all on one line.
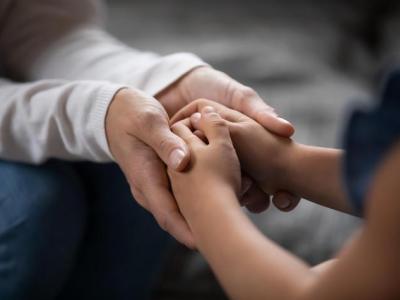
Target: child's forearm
{"points": [[315, 174], [248, 265]]}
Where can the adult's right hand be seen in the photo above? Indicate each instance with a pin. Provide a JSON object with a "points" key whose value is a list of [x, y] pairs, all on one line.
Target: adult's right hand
{"points": [[141, 141]]}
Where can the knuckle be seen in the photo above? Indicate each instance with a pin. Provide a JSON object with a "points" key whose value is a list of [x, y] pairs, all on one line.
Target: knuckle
{"points": [[149, 116], [248, 92], [225, 145], [217, 121], [242, 95], [166, 144]]}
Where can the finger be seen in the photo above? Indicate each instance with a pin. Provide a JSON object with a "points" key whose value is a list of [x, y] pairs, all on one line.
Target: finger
{"points": [[147, 176], [183, 131], [200, 135], [197, 105], [172, 149], [285, 201], [246, 184], [254, 107], [195, 124], [255, 200], [274, 124], [166, 212], [214, 127]]}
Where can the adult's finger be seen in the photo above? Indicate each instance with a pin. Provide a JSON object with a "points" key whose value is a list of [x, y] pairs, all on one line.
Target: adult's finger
{"points": [[247, 101], [147, 177], [285, 201], [156, 133]]}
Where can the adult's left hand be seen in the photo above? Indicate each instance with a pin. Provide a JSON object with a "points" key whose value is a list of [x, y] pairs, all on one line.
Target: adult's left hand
{"points": [[206, 82]]}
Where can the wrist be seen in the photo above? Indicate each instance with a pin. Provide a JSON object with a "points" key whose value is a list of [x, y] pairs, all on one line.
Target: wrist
{"points": [[210, 201], [286, 165]]}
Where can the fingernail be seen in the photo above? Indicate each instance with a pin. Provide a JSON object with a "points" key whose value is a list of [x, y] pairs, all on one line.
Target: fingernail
{"points": [[195, 118], [176, 158], [283, 203]]}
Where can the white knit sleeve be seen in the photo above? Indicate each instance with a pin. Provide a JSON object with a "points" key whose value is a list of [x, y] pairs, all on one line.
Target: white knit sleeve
{"points": [[44, 39], [54, 119]]}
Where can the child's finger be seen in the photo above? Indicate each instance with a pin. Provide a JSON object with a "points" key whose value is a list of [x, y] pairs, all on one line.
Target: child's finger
{"points": [[195, 118], [255, 200], [198, 105], [246, 184], [285, 201], [214, 127], [200, 135], [182, 130]]}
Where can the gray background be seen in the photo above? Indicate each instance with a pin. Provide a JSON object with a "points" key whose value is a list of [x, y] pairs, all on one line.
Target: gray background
{"points": [[311, 60]]}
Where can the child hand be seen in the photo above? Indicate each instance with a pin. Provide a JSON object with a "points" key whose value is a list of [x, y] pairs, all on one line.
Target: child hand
{"points": [[262, 154], [214, 169]]}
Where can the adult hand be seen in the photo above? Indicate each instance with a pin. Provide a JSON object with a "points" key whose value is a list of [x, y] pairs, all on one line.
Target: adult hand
{"points": [[206, 82], [141, 141]]}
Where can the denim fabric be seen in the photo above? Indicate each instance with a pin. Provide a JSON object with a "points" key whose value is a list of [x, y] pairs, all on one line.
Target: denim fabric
{"points": [[370, 135], [73, 231]]}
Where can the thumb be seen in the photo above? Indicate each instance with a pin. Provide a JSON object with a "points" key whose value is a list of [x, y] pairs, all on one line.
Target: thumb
{"points": [[171, 149]]}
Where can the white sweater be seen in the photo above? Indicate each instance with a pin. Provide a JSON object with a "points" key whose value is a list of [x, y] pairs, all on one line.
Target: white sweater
{"points": [[58, 73]]}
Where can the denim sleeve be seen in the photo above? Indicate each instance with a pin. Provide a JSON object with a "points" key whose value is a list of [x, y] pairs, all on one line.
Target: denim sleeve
{"points": [[370, 135]]}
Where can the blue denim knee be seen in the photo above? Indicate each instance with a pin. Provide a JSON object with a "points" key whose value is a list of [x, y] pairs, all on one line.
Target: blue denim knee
{"points": [[42, 219]]}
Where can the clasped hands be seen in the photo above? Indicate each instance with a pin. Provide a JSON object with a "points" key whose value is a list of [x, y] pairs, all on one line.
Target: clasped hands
{"points": [[224, 144], [142, 143]]}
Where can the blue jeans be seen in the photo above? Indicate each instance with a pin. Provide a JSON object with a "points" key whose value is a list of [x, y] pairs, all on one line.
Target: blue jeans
{"points": [[73, 231]]}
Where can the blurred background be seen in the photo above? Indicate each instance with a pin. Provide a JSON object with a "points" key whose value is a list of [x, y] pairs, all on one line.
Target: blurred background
{"points": [[311, 60]]}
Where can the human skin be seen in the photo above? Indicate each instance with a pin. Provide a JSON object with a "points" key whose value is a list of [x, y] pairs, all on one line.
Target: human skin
{"points": [[140, 139], [248, 264], [265, 157]]}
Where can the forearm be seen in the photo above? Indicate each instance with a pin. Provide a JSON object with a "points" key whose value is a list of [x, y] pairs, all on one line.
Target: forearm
{"points": [[248, 265], [315, 174]]}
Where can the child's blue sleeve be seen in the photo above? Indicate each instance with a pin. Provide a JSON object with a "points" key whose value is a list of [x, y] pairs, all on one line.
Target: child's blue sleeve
{"points": [[369, 136]]}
